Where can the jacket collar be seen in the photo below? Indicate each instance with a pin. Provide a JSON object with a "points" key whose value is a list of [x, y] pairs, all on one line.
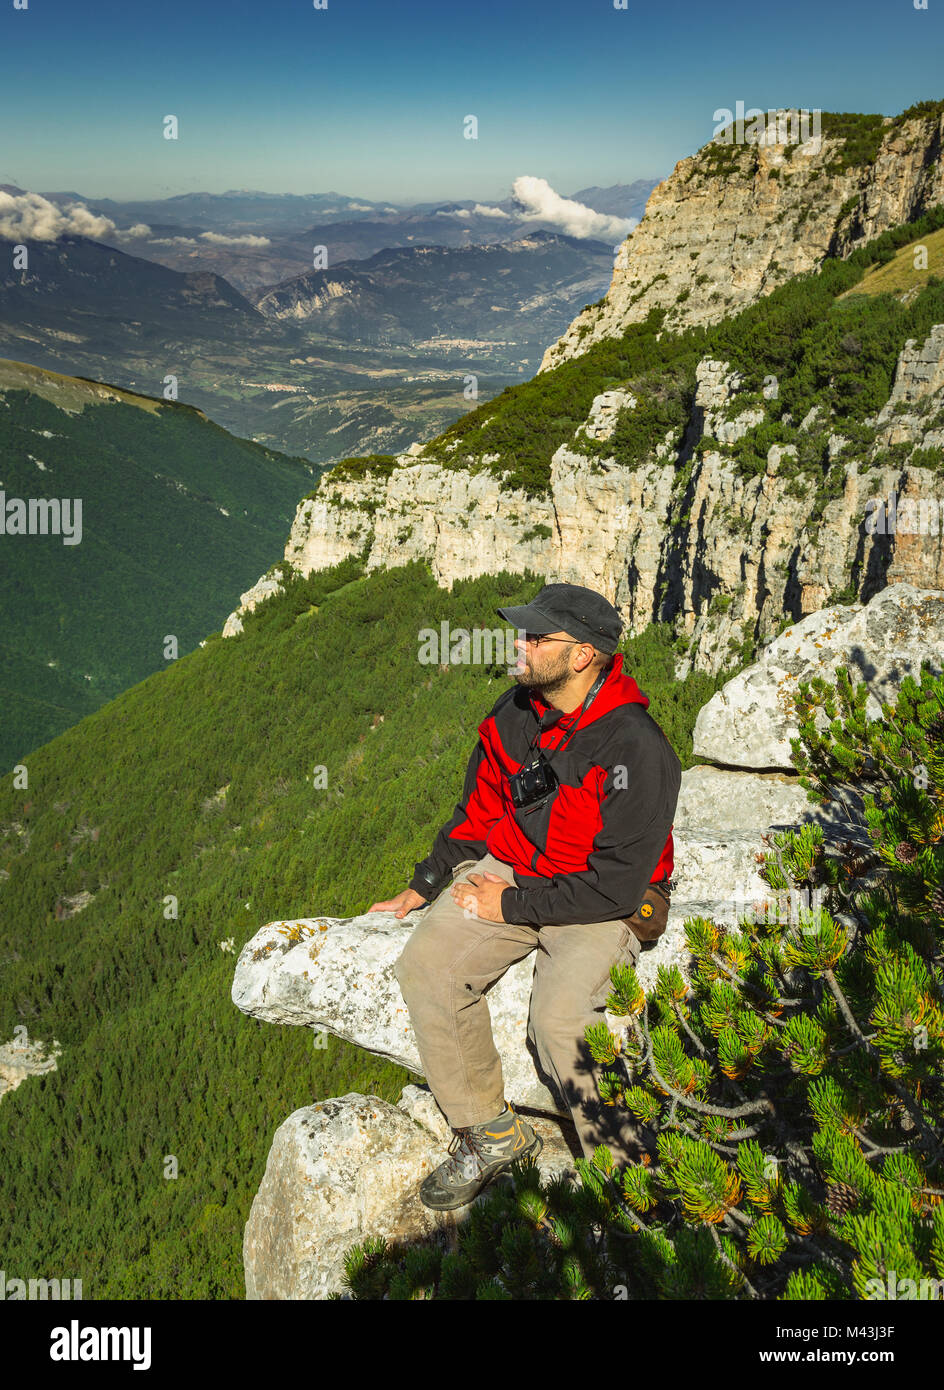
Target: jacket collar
{"points": [[617, 689]]}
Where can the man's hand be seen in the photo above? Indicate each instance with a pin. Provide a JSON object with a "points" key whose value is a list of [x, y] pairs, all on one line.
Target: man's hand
{"points": [[402, 904], [482, 895]]}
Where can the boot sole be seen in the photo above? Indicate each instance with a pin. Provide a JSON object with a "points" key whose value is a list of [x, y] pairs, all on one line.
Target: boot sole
{"points": [[452, 1205]]}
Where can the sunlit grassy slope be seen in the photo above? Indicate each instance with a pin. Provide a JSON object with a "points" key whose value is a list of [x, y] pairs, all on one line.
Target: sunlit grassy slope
{"points": [[906, 274]]}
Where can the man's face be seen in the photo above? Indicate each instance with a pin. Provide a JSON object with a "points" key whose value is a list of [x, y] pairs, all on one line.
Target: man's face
{"points": [[545, 665]]}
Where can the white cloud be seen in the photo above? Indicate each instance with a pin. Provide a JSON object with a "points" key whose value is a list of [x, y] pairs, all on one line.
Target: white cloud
{"points": [[30, 217], [539, 202], [480, 210], [218, 239]]}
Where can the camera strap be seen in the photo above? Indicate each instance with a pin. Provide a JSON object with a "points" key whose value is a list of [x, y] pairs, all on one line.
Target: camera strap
{"points": [[587, 702]]}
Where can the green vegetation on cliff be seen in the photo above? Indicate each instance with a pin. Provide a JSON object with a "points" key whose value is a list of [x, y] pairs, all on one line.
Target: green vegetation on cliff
{"points": [[827, 347]]}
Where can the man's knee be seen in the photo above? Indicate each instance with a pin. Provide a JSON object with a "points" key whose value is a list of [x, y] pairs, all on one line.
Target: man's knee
{"points": [[553, 1032]]}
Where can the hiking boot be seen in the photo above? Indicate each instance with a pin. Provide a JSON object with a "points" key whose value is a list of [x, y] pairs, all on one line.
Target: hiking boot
{"points": [[480, 1151]]}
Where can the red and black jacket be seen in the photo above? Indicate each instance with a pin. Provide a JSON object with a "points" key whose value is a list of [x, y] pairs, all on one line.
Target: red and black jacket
{"points": [[589, 851]]}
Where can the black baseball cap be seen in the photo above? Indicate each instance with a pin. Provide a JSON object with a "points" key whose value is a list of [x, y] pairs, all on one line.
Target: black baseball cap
{"points": [[586, 615]]}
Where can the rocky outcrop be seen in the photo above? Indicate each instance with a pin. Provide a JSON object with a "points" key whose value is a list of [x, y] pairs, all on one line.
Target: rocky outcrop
{"points": [[920, 374], [750, 722], [733, 222], [346, 1169], [264, 587], [22, 1058], [725, 554]]}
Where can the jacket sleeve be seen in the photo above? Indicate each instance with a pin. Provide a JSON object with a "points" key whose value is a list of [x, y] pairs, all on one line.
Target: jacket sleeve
{"points": [[638, 799], [463, 836]]}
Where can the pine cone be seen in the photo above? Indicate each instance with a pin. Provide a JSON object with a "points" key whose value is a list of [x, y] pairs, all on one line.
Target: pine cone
{"points": [[841, 1198], [935, 729], [937, 900], [790, 1050], [905, 853]]}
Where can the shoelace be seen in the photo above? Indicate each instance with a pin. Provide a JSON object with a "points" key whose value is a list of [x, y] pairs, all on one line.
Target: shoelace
{"points": [[465, 1160]]}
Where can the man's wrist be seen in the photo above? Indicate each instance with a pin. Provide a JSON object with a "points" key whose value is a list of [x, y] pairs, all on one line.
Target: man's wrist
{"points": [[426, 883]]}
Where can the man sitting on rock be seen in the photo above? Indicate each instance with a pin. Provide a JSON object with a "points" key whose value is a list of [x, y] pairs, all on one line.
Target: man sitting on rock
{"points": [[565, 828]]}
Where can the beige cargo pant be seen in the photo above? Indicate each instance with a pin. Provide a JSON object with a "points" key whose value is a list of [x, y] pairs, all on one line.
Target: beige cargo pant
{"points": [[443, 972]]}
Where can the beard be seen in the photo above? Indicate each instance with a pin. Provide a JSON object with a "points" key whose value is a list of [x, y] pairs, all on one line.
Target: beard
{"points": [[547, 678]]}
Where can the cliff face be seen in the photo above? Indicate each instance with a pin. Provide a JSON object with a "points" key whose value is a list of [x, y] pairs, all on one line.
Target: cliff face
{"points": [[684, 538], [732, 223], [687, 536]]}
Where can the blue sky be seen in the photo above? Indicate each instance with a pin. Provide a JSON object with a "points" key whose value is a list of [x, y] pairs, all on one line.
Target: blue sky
{"points": [[368, 97]]}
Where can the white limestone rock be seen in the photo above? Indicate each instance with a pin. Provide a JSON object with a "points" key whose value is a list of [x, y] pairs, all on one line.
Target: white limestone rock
{"points": [[919, 372], [714, 800], [338, 1172], [750, 721], [349, 1168], [338, 975], [604, 413], [28, 1057], [264, 588]]}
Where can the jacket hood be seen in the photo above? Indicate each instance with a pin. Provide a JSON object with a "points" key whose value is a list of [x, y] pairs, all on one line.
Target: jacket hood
{"points": [[617, 689]]}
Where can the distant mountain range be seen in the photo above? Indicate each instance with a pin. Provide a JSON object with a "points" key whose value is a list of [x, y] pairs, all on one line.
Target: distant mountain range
{"points": [[507, 291], [367, 356], [303, 375], [248, 210], [213, 232]]}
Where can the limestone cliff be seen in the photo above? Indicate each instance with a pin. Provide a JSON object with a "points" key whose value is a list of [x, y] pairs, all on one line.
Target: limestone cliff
{"points": [[734, 221], [683, 537]]}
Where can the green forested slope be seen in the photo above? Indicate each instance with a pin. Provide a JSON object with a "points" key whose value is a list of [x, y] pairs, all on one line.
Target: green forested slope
{"points": [[156, 1060], [157, 555]]}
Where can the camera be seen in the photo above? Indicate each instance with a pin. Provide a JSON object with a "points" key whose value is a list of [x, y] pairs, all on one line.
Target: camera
{"points": [[533, 783]]}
